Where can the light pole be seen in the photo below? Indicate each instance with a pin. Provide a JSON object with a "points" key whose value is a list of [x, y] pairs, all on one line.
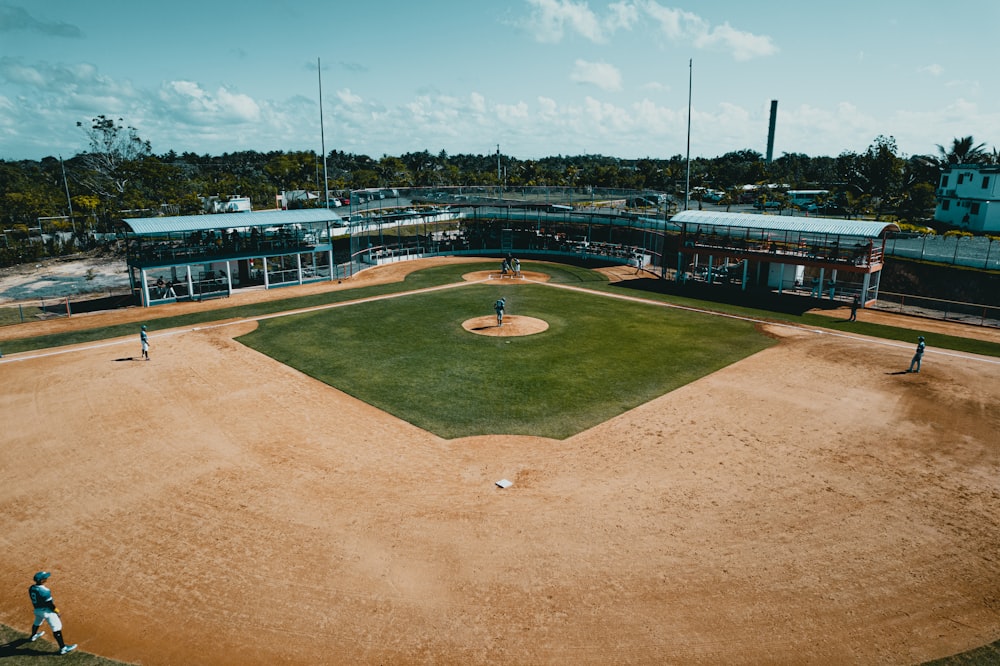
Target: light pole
{"points": [[322, 137], [687, 184]]}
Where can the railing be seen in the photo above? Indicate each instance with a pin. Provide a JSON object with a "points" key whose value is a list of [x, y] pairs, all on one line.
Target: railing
{"points": [[937, 308]]}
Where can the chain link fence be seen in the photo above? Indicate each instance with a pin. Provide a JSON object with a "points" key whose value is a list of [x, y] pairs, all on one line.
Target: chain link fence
{"points": [[65, 306], [972, 251]]}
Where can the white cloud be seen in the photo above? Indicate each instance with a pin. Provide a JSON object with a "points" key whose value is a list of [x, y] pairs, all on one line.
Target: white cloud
{"points": [[551, 18], [623, 15], [189, 101], [347, 97], [600, 74], [743, 45], [548, 107], [512, 112], [655, 86], [682, 26], [13, 71], [932, 69]]}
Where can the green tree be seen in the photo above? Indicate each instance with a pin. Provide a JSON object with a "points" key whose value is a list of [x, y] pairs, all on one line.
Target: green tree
{"points": [[111, 164], [917, 204]]}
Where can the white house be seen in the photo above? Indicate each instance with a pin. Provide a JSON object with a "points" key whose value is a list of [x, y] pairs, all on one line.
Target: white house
{"points": [[969, 197]]}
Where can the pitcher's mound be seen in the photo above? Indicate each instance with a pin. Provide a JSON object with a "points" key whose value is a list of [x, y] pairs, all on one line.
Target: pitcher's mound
{"points": [[513, 325]]}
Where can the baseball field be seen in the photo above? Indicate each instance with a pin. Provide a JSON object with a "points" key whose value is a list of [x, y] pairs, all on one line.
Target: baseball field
{"points": [[321, 486]]}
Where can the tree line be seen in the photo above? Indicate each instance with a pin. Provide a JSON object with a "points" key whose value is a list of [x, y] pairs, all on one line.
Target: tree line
{"points": [[119, 176]]}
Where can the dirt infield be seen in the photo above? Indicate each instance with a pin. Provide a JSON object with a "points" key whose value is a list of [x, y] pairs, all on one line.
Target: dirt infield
{"points": [[810, 504]]}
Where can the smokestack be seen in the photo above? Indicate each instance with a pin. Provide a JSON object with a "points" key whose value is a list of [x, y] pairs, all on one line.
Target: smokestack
{"points": [[770, 130]]}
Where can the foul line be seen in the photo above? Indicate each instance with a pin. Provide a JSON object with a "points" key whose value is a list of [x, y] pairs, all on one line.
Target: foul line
{"points": [[86, 346], [755, 320], [23, 356]]}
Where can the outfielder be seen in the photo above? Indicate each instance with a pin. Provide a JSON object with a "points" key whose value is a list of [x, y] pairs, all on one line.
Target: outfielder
{"points": [[144, 339], [499, 306], [46, 611]]}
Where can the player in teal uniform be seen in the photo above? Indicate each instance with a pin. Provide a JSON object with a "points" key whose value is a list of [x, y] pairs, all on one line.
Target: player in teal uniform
{"points": [[499, 306], [144, 339], [46, 611], [917, 355]]}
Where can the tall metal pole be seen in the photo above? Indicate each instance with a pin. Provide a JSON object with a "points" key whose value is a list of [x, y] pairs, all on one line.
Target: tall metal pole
{"points": [[322, 137], [687, 184], [69, 202]]}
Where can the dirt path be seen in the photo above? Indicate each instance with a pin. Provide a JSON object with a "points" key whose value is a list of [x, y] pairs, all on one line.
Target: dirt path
{"points": [[809, 504]]}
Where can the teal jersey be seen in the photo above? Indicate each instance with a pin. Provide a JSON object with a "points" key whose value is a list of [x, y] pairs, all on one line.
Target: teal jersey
{"points": [[41, 596]]}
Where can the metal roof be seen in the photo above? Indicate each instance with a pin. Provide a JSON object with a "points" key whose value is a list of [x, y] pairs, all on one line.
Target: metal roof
{"points": [[263, 218], [813, 225]]}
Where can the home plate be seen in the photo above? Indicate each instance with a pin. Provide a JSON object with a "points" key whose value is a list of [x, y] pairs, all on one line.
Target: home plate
{"points": [[504, 483]]}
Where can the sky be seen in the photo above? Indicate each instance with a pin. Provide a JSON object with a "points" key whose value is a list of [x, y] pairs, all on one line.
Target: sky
{"points": [[532, 78]]}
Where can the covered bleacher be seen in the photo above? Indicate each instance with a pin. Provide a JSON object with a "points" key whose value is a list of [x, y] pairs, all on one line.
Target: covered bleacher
{"points": [[194, 257], [829, 258]]}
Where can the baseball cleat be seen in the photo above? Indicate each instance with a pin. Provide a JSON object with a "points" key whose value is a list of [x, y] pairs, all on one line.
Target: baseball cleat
{"points": [[35, 637], [66, 649]]}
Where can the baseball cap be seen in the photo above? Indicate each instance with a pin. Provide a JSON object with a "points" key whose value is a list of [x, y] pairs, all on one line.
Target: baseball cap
{"points": [[42, 575]]}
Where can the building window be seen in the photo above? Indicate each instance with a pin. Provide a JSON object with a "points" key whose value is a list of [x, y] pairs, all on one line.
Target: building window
{"points": [[946, 204], [974, 209], [986, 182], [961, 177], [944, 180]]}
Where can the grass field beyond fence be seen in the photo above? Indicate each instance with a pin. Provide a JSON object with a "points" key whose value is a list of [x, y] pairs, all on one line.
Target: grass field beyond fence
{"points": [[600, 356]]}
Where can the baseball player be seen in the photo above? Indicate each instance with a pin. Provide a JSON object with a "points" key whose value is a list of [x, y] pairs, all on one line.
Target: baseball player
{"points": [[46, 611], [499, 306], [918, 355], [144, 339]]}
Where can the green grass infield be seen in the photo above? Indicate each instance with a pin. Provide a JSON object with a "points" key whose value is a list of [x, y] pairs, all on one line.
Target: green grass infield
{"points": [[600, 356]]}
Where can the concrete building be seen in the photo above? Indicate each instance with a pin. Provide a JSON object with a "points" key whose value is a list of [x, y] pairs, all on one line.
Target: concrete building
{"points": [[969, 198]]}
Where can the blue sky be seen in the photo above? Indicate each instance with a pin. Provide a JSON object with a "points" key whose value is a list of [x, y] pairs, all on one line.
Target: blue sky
{"points": [[537, 77]]}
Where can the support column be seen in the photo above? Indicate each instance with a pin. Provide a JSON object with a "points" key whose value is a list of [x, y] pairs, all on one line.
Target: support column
{"points": [[865, 283], [298, 266], [267, 281], [190, 282], [145, 287], [229, 278], [746, 271]]}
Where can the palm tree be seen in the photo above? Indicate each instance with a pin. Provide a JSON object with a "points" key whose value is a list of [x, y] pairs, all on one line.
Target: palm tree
{"points": [[963, 151]]}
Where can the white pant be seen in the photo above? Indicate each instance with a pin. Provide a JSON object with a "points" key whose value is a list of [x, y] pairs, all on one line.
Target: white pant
{"points": [[45, 615]]}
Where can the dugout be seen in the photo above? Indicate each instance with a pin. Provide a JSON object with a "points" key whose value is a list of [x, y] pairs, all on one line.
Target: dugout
{"points": [[826, 257], [194, 257]]}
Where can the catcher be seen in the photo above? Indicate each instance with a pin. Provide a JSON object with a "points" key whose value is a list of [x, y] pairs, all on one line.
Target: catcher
{"points": [[46, 611]]}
